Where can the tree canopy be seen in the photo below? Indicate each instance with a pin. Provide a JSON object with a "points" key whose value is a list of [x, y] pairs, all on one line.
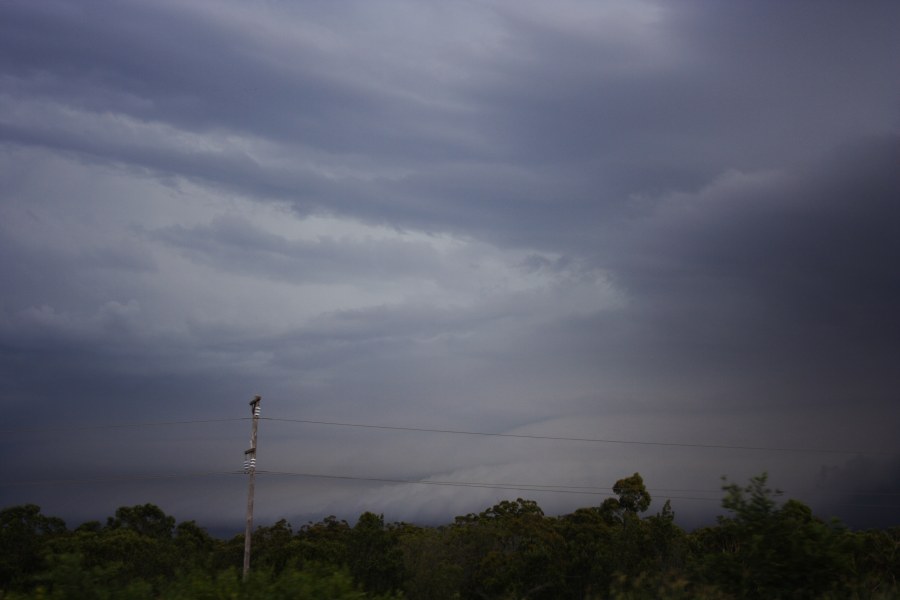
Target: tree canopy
{"points": [[760, 549]]}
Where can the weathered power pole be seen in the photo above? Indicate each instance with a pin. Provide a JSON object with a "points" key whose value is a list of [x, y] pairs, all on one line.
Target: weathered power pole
{"points": [[250, 469]]}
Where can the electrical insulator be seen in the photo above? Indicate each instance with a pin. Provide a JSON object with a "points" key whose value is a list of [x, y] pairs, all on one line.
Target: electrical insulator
{"points": [[252, 463], [246, 465], [256, 411]]}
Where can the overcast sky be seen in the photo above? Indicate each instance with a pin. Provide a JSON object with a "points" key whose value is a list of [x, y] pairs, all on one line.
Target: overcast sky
{"points": [[663, 222]]}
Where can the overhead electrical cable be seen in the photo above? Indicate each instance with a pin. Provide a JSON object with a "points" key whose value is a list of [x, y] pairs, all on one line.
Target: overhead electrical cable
{"points": [[579, 439], [117, 425], [119, 478], [465, 484], [511, 487], [138, 424], [518, 487]]}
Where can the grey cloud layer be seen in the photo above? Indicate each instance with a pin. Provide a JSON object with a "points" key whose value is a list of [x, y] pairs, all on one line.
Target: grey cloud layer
{"points": [[490, 215]]}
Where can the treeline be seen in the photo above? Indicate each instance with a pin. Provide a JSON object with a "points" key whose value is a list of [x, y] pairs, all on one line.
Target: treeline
{"points": [[511, 550]]}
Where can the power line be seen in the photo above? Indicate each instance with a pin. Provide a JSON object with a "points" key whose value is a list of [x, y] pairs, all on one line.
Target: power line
{"points": [[465, 484], [502, 486], [580, 439], [137, 424], [559, 489], [117, 425], [553, 487], [426, 482], [518, 487], [119, 478]]}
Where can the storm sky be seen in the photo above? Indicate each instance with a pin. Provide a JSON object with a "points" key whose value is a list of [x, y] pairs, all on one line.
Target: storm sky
{"points": [[632, 221]]}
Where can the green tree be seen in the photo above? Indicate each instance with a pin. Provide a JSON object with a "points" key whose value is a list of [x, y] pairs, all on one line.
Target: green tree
{"points": [[274, 547], [611, 544], [590, 535], [873, 563], [633, 495], [325, 542], [135, 545], [511, 550], [668, 541], [147, 520], [24, 532], [432, 563], [767, 551], [68, 578], [194, 547], [374, 555], [317, 583]]}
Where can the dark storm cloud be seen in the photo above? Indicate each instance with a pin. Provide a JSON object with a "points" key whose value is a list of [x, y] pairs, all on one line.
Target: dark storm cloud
{"points": [[779, 276], [640, 114], [201, 69], [633, 219], [872, 482]]}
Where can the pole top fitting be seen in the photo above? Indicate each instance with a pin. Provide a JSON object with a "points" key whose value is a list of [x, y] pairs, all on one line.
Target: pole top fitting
{"points": [[256, 400]]}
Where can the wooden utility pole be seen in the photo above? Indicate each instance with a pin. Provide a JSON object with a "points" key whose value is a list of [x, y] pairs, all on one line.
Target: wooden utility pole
{"points": [[250, 469]]}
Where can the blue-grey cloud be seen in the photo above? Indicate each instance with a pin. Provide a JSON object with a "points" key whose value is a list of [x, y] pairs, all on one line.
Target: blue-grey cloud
{"points": [[623, 219]]}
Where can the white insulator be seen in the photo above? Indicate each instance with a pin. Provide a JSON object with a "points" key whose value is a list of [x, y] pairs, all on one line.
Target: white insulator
{"points": [[256, 411], [252, 463]]}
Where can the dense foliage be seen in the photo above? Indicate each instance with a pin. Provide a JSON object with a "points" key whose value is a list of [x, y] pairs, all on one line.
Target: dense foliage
{"points": [[511, 550]]}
